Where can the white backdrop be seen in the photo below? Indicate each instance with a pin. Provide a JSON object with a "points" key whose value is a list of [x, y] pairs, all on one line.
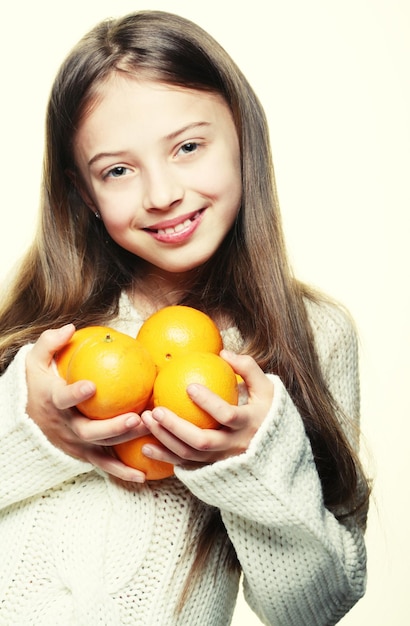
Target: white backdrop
{"points": [[334, 79]]}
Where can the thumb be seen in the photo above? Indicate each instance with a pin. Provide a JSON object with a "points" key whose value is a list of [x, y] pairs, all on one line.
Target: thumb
{"points": [[248, 369], [50, 341]]}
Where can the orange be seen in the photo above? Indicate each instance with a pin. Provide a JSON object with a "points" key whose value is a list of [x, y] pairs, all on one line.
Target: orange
{"points": [[63, 356], [120, 367], [130, 453], [205, 368], [176, 330]]}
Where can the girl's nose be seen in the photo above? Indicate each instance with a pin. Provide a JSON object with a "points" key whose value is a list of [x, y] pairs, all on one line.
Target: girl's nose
{"points": [[161, 189]]}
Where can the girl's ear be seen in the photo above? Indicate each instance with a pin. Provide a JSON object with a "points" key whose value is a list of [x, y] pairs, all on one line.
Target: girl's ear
{"points": [[81, 190]]}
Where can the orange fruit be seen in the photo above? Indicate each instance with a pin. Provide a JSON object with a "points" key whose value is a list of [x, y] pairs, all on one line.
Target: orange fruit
{"points": [[120, 367], [176, 330], [130, 453], [63, 356], [205, 368]]}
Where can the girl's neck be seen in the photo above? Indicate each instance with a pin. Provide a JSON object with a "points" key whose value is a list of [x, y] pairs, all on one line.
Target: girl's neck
{"points": [[157, 289]]}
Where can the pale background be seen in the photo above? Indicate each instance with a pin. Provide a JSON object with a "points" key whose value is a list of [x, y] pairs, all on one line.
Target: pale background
{"points": [[334, 80]]}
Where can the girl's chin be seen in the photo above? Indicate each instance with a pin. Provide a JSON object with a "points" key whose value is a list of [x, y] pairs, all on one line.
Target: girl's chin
{"points": [[170, 266]]}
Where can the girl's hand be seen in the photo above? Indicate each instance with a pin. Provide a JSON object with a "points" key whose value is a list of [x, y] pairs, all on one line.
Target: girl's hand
{"points": [[186, 444], [51, 404]]}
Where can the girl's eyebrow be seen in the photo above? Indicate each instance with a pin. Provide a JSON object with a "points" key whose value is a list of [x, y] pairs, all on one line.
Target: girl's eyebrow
{"points": [[171, 136], [103, 155], [176, 133]]}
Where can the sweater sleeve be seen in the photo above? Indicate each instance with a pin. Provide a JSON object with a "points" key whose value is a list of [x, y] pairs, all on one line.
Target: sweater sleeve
{"points": [[29, 463], [300, 564]]}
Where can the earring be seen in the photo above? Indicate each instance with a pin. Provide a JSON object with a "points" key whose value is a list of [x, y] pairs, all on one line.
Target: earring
{"points": [[97, 215]]}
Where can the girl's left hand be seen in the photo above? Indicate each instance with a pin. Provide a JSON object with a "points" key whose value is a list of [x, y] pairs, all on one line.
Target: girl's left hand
{"points": [[187, 445]]}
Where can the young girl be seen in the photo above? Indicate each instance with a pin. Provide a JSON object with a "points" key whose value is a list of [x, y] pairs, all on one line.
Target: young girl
{"points": [[158, 189]]}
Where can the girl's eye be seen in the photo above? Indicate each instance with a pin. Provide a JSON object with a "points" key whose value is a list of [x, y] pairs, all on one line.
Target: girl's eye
{"points": [[189, 147], [117, 172]]}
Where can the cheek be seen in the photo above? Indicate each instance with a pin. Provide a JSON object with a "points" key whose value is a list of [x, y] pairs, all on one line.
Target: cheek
{"points": [[116, 210], [223, 180], [230, 175], [117, 229], [232, 188], [116, 223]]}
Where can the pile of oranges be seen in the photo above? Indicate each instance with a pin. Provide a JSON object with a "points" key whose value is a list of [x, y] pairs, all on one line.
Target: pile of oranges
{"points": [[176, 346]]}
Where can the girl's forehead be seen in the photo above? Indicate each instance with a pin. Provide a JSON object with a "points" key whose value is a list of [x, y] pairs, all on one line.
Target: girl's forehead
{"points": [[123, 92], [120, 80]]}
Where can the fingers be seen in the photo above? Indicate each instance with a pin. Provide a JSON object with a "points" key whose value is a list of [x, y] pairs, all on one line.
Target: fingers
{"points": [[198, 447], [91, 441], [161, 453], [107, 432], [109, 464], [182, 441], [189, 442], [66, 396]]}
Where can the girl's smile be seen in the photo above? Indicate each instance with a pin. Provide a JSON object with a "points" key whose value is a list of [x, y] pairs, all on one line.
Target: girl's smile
{"points": [[162, 166], [176, 230]]}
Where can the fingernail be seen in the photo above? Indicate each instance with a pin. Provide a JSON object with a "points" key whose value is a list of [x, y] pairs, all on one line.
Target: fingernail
{"points": [[64, 328], [146, 417], [137, 478], [158, 414], [147, 451], [132, 420], [87, 388], [193, 390]]}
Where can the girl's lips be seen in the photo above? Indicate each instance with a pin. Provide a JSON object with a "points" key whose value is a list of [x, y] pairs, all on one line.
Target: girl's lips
{"points": [[177, 230], [173, 222]]}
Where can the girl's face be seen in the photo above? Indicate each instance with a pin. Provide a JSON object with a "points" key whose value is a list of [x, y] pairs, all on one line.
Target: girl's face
{"points": [[161, 164]]}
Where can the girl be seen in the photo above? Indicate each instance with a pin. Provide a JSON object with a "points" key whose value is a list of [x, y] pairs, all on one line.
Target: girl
{"points": [[158, 189]]}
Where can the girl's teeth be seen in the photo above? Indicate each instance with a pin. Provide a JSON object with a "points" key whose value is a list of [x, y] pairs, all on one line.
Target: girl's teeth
{"points": [[174, 229]]}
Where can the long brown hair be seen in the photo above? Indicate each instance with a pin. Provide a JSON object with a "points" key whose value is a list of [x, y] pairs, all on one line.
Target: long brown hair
{"points": [[74, 272]]}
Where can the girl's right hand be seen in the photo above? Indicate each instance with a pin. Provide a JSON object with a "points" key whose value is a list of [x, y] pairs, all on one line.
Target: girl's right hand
{"points": [[51, 404]]}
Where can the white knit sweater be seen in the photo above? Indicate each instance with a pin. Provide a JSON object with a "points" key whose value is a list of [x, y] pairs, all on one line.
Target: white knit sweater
{"points": [[79, 548]]}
